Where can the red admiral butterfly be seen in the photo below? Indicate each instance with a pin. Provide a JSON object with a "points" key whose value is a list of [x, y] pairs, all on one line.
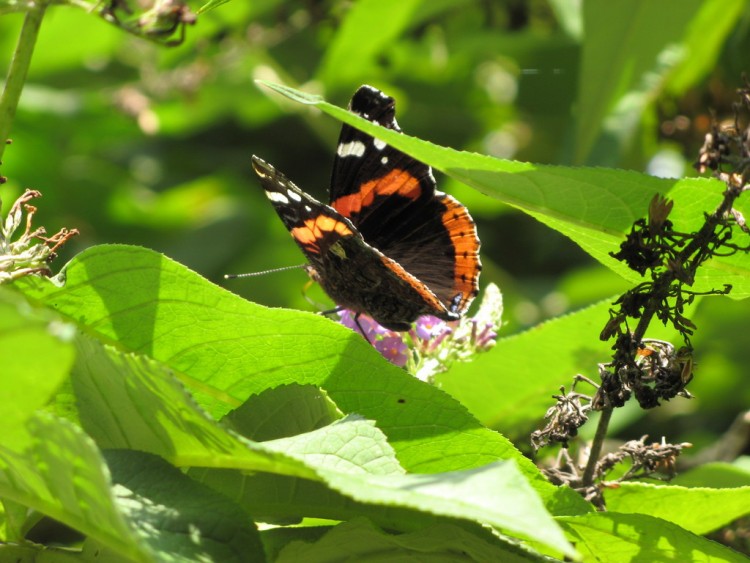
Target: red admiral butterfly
{"points": [[389, 245]]}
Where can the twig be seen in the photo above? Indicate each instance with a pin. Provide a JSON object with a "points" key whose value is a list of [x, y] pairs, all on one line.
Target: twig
{"points": [[19, 68]]}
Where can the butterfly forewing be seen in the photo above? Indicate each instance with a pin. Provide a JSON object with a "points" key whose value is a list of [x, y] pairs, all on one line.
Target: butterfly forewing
{"points": [[353, 273]]}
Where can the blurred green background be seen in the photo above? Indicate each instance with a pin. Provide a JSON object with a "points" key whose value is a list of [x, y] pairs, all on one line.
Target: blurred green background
{"points": [[134, 142]]}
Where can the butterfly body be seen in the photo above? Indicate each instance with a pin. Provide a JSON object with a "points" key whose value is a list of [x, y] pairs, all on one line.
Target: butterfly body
{"points": [[389, 244]]}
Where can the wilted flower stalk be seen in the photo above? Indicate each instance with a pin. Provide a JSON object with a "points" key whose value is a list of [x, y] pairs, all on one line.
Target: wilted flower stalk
{"points": [[32, 250], [432, 345]]}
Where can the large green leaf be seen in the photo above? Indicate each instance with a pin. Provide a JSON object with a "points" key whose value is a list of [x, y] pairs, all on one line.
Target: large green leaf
{"points": [[283, 411], [361, 540], [496, 494], [595, 207], [698, 509], [50, 465], [129, 401], [179, 519], [628, 49], [609, 536], [226, 349], [512, 385], [348, 57], [716, 475], [37, 353]]}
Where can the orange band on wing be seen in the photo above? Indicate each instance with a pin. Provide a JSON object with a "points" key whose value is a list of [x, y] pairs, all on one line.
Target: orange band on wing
{"points": [[463, 234], [395, 182], [315, 229]]}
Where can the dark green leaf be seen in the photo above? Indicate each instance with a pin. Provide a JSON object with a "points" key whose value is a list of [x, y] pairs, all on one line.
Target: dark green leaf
{"points": [[361, 540], [176, 517], [283, 411]]}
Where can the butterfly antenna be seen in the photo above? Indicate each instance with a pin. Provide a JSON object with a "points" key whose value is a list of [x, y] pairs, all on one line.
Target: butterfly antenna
{"points": [[264, 272]]}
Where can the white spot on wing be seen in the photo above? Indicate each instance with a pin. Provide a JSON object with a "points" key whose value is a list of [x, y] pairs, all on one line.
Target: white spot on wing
{"points": [[384, 160], [378, 144], [352, 148], [277, 197], [295, 196], [308, 208]]}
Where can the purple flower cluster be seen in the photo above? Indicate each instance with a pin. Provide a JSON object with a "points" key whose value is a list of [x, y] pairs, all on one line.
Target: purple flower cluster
{"points": [[432, 345], [389, 343]]}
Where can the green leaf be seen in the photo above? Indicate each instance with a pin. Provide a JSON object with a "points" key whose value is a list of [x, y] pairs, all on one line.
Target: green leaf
{"points": [[628, 49], [50, 465], [608, 536], [129, 401], [37, 354], [349, 445], [210, 5], [699, 510], [716, 475], [361, 540], [704, 39], [511, 386], [595, 207], [226, 349], [179, 519], [47, 463], [283, 411], [348, 57], [13, 516], [354, 460], [496, 494]]}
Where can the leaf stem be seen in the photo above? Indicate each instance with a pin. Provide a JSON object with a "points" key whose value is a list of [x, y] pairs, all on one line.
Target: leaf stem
{"points": [[18, 70]]}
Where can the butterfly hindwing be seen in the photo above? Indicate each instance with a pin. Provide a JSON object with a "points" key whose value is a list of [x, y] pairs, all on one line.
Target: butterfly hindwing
{"points": [[392, 200]]}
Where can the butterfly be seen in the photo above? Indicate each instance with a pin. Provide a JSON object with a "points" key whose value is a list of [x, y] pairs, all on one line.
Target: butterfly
{"points": [[389, 244]]}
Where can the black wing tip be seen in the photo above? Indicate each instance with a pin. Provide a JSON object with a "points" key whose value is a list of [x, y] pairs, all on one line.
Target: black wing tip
{"points": [[373, 104], [261, 167], [372, 92]]}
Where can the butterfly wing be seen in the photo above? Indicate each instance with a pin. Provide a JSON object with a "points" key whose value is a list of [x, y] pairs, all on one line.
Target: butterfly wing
{"points": [[353, 273], [392, 200], [315, 227]]}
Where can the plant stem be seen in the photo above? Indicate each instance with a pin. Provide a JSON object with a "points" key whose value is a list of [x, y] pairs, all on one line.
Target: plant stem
{"points": [[19, 68], [596, 447], [693, 257]]}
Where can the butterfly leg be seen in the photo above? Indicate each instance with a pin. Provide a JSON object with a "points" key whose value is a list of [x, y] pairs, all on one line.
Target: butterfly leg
{"points": [[314, 303], [361, 330]]}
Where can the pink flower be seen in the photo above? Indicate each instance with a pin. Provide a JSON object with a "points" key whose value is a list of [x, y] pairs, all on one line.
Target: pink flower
{"points": [[432, 345], [394, 349], [367, 324]]}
